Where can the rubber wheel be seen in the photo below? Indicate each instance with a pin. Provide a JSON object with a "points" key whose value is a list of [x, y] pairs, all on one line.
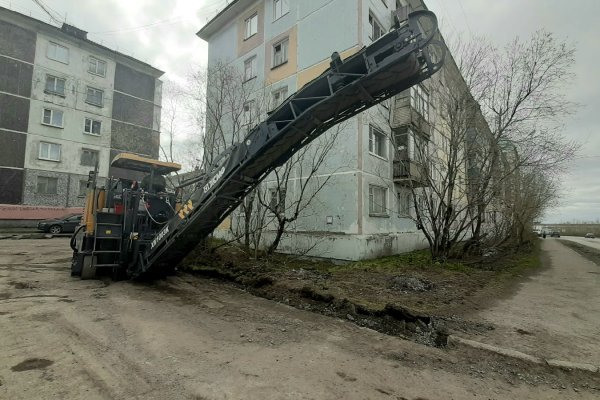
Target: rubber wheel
{"points": [[88, 270], [55, 229]]}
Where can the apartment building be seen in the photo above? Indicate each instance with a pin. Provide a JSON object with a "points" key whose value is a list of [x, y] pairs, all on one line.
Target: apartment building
{"points": [[366, 209], [66, 103]]}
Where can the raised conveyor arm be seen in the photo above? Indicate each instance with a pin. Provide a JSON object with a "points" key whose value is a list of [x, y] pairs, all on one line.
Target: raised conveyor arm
{"points": [[400, 59]]}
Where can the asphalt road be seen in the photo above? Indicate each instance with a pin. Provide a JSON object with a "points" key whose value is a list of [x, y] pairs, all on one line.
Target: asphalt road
{"points": [[595, 243], [191, 338]]}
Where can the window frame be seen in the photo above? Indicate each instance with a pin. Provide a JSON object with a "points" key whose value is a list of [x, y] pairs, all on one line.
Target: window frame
{"points": [[404, 206], [54, 91], [47, 158], [52, 112], [248, 26], [285, 40], [383, 142], [97, 62], [373, 21], [419, 100], [282, 3], [91, 132], [252, 62], [48, 178], [384, 207], [87, 97], [91, 151], [283, 92], [55, 58], [84, 193]]}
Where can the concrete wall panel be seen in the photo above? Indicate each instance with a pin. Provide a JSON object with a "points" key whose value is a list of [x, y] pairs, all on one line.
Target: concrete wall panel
{"points": [[15, 77], [134, 139], [12, 185], [14, 112], [133, 82], [12, 149], [132, 110], [17, 42]]}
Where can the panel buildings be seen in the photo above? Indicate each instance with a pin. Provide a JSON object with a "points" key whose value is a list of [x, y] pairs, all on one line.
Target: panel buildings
{"points": [[366, 208], [65, 103]]}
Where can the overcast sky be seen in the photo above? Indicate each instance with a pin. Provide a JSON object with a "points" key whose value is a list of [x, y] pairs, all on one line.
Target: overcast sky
{"points": [[162, 33]]}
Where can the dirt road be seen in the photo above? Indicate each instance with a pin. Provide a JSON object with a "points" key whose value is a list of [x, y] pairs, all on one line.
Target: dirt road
{"points": [[190, 338], [555, 314]]}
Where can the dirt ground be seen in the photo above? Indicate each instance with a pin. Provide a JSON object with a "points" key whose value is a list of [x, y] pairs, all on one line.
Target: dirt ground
{"points": [[189, 337]]}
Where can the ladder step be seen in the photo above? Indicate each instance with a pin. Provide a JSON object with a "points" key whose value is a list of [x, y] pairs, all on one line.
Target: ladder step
{"points": [[108, 237], [107, 265], [107, 224], [106, 251]]}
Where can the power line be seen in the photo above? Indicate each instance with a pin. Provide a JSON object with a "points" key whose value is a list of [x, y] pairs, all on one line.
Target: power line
{"points": [[47, 9]]}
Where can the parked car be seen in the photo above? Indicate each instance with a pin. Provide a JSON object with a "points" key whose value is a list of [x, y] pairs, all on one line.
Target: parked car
{"points": [[65, 224], [555, 234], [590, 236]]}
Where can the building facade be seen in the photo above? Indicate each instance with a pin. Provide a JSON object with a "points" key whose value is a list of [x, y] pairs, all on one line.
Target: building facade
{"points": [[365, 210], [65, 104]]}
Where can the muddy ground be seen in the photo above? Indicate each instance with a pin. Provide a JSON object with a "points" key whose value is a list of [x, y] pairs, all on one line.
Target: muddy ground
{"points": [[406, 295], [189, 337]]}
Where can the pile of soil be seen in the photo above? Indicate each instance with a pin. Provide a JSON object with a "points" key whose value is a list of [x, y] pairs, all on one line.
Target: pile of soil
{"points": [[406, 295]]}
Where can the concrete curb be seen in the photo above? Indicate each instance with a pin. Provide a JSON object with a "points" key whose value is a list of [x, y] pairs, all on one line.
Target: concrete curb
{"points": [[452, 339]]}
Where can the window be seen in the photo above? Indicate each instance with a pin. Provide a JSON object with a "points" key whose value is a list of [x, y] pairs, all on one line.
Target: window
{"points": [[377, 142], [96, 66], [250, 68], [280, 52], [377, 200], [52, 117], [404, 204], [58, 53], [247, 114], [55, 85], [419, 100], [46, 185], [49, 151], [277, 200], [82, 188], [92, 127], [251, 26], [94, 97], [376, 30], [89, 157], [279, 96], [280, 8]]}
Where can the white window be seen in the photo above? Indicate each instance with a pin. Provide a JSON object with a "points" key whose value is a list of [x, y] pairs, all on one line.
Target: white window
{"points": [[377, 200], [55, 85], [58, 53], [280, 8], [92, 127], [280, 52], [377, 30], [89, 157], [377, 142], [279, 96], [419, 100], [94, 96], [82, 188], [404, 203], [46, 185], [251, 26], [52, 117], [49, 151], [97, 66], [250, 68]]}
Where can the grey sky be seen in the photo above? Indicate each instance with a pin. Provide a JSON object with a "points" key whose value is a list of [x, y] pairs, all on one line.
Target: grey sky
{"points": [[162, 33]]}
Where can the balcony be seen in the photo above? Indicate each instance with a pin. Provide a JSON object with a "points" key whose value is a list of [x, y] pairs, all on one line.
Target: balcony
{"points": [[409, 173], [406, 115]]}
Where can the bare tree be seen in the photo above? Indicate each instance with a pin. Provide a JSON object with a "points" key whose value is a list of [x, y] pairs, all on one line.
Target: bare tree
{"points": [[297, 183]]}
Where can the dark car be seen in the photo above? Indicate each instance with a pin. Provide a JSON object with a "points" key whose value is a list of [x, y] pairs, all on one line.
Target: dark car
{"points": [[590, 236], [68, 223], [555, 234]]}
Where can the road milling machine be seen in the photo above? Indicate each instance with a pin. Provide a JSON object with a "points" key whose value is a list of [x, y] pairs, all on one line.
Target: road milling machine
{"points": [[134, 229]]}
